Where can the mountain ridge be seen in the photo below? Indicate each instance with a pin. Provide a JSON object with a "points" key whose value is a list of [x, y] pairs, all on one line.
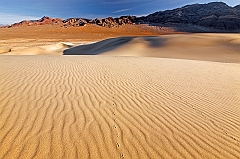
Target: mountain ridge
{"points": [[215, 15]]}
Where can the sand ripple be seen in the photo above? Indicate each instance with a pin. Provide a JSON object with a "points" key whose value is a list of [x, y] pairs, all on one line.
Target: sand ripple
{"points": [[118, 107]]}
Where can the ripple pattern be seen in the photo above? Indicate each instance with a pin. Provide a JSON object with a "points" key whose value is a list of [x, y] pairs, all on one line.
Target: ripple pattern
{"points": [[118, 107]]}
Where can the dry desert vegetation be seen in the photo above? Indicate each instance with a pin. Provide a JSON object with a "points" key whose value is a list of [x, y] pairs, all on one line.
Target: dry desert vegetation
{"points": [[143, 93]]}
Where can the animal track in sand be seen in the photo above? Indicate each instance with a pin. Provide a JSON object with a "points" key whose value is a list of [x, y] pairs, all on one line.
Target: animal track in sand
{"points": [[115, 126]]}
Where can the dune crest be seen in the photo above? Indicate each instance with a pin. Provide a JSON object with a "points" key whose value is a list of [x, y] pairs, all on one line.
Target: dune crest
{"points": [[118, 107], [55, 49], [206, 47], [4, 50]]}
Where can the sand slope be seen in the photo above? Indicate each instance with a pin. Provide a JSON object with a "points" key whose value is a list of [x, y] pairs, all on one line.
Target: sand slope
{"points": [[206, 47], [55, 49], [210, 47], [4, 50], [118, 107]]}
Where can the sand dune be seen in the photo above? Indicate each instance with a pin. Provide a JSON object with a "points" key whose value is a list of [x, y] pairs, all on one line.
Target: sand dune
{"points": [[55, 49], [4, 50], [207, 47], [118, 107]]}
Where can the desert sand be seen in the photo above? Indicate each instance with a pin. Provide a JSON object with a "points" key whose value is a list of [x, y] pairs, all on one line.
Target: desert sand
{"points": [[206, 47], [54, 49], [32, 36], [118, 107], [139, 95]]}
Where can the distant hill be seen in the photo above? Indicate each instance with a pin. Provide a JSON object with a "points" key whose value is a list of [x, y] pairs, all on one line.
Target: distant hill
{"points": [[217, 15], [77, 22], [43, 21], [212, 16]]}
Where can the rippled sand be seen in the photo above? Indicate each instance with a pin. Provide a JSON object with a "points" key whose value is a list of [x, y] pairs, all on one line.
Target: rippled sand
{"points": [[118, 107]]}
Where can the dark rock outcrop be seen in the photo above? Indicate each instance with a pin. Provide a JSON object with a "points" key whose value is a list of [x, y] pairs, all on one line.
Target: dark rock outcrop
{"points": [[106, 22], [217, 15], [75, 22]]}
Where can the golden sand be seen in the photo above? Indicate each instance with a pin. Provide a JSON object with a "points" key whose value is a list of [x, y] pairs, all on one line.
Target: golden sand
{"points": [[118, 107]]}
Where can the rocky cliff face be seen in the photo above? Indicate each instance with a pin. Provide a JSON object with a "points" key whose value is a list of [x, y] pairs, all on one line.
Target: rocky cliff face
{"points": [[216, 15]]}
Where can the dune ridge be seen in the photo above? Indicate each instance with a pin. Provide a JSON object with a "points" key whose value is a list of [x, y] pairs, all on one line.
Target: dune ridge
{"points": [[4, 50], [54, 49], [118, 107], [206, 47]]}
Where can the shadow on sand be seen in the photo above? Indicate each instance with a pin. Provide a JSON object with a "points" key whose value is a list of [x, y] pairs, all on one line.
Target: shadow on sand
{"points": [[112, 44]]}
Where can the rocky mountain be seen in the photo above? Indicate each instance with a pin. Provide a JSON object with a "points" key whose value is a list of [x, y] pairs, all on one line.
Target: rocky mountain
{"points": [[106, 22], [43, 21], [214, 15], [217, 15], [76, 22]]}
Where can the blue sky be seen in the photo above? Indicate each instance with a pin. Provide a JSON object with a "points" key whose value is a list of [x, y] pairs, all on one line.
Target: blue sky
{"points": [[17, 10]]}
